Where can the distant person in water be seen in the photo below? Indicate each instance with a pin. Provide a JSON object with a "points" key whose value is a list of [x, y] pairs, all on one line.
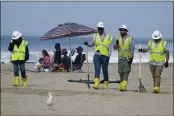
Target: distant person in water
{"points": [[47, 61], [19, 55], [56, 57]]}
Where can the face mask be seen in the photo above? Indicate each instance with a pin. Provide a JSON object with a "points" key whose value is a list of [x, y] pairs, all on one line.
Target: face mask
{"points": [[100, 30], [123, 33], [157, 40]]}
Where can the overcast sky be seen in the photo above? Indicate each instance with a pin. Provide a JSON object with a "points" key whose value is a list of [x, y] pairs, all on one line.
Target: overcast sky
{"points": [[36, 18]]}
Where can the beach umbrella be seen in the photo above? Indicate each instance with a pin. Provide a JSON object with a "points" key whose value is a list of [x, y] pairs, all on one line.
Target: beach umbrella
{"points": [[68, 30]]}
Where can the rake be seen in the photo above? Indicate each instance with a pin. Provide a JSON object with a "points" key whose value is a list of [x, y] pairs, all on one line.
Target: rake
{"points": [[141, 88]]}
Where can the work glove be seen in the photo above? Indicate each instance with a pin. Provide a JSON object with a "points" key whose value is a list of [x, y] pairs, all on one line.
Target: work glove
{"points": [[86, 43], [12, 43], [130, 60], [117, 42], [166, 64], [140, 50]]}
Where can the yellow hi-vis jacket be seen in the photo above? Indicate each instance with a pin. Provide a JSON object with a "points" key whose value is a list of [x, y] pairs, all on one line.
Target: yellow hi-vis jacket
{"points": [[157, 54], [102, 46], [19, 53], [125, 47]]}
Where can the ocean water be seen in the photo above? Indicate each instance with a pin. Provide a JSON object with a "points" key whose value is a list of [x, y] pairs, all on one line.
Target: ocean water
{"points": [[36, 46]]}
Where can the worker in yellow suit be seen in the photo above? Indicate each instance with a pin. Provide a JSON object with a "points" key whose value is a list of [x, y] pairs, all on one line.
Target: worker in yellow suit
{"points": [[103, 45], [19, 55], [158, 53]]}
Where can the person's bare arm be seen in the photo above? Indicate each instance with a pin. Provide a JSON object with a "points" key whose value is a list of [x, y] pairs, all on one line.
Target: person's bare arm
{"points": [[132, 47], [167, 56], [91, 44], [116, 46], [167, 53], [144, 50], [166, 50], [110, 47]]}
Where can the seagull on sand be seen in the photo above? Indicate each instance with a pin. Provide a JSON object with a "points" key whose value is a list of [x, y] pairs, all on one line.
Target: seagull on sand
{"points": [[49, 101]]}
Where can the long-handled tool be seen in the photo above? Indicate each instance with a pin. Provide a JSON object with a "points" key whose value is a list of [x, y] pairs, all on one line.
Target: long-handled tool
{"points": [[141, 87], [87, 66], [90, 81]]}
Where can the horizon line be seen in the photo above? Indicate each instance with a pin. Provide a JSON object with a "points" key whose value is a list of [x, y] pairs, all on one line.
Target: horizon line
{"points": [[86, 37]]}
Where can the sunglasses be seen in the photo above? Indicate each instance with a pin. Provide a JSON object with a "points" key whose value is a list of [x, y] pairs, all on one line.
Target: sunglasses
{"points": [[99, 28], [124, 30]]}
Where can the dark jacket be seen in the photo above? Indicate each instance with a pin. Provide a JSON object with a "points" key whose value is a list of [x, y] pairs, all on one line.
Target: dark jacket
{"points": [[80, 58], [11, 46], [66, 61]]}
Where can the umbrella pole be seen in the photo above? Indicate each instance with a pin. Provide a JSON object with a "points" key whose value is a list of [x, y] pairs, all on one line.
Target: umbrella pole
{"points": [[70, 53], [87, 65]]}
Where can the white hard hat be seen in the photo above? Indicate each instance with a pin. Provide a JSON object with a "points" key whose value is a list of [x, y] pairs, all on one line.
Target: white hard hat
{"points": [[16, 35], [100, 24], [156, 34], [123, 27]]}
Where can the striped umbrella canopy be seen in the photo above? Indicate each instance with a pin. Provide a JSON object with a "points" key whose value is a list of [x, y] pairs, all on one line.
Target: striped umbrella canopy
{"points": [[68, 30]]}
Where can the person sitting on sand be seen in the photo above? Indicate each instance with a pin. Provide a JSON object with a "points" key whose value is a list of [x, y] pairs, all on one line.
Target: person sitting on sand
{"points": [[47, 62], [65, 60], [56, 57], [39, 66], [79, 60]]}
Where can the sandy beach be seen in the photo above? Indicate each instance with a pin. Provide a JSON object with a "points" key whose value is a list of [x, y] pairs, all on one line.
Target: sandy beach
{"points": [[72, 98]]}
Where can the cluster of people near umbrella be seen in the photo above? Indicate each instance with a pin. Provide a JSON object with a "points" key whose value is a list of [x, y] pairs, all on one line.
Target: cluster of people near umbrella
{"points": [[102, 42], [61, 61]]}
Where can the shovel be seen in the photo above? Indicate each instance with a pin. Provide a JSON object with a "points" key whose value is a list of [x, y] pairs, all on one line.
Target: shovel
{"points": [[141, 86]]}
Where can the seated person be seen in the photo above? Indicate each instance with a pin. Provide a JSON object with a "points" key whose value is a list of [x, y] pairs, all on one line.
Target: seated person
{"points": [[47, 61], [79, 60], [65, 60], [56, 57], [39, 66]]}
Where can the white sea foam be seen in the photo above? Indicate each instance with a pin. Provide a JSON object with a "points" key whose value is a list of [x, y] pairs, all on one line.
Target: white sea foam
{"points": [[34, 57]]}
